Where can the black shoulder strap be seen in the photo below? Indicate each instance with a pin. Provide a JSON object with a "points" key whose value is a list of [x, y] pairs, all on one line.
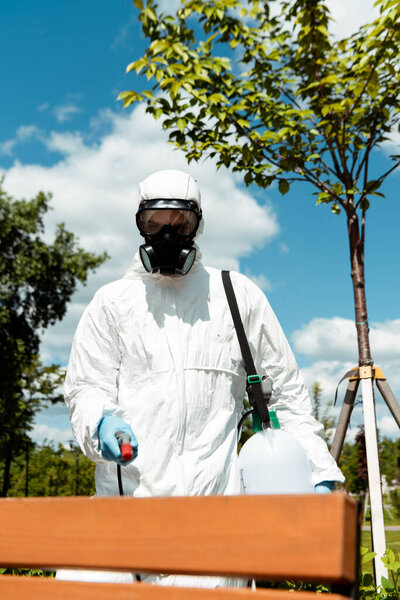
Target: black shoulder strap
{"points": [[254, 388]]}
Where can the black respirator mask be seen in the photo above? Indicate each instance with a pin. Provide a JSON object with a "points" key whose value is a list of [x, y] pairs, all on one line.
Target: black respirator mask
{"points": [[169, 227]]}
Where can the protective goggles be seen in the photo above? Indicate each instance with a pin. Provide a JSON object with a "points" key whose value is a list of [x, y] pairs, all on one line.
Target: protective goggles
{"points": [[184, 216]]}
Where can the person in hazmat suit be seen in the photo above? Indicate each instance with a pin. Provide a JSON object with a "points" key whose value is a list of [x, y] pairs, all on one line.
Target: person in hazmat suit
{"points": [[156, 355]]}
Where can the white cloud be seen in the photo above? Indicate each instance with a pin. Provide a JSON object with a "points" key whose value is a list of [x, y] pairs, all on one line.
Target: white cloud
{"points": [[336, 338], [43, 106], [332, 345], [125, 33], [169, 6], [44, 433], [26, 132], [327, 339], [94, 190], [385, 340], [260, 280], [392, 144], [328, 373], [66, 143], [387, 427], [23, 134], [349, 16], [7, 147], [65, 112], [56, 341]]}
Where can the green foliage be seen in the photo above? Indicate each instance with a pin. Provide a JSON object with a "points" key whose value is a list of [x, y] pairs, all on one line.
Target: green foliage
{"points": [[37, 280], [395, 500], [353, 465], [27, 572], [316, 394], [348, 464], [273, 95], [389, 588], [389, 453], [52, 471], [392, 563]]}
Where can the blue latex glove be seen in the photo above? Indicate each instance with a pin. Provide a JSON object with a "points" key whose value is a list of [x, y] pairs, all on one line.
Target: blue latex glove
{"points": [[110, 450], [324, 487]]}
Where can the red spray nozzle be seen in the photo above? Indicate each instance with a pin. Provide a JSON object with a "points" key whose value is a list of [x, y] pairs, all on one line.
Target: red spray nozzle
{"points": [[125, 446], [126, 452]]}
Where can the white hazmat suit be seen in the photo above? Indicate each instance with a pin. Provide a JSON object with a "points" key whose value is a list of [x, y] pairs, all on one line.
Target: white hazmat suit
{"points": [[162, 353]]}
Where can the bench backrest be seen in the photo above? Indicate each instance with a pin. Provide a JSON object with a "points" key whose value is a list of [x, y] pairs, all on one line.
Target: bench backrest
{"points": [[312, 538]]}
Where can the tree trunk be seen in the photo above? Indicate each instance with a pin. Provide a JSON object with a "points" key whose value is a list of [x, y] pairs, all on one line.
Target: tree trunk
{"points": [[360, 301]]}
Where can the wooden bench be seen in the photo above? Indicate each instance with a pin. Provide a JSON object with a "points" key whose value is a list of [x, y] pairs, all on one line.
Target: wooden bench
{"points": [[311, 538]]}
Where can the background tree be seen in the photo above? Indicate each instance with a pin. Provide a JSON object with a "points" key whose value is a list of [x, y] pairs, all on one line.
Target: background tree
{"points": [[390, 460], [353, 464], [316, 394], [362, 467], [293, 105], [39, 386], [37, 280], [322, 414], [54, 470]]}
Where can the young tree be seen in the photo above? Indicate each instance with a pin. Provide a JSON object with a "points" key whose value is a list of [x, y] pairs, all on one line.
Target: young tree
{"points": [[37, 280], [293, 106]]}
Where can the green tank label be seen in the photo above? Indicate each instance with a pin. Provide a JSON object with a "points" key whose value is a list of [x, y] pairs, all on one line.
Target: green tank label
{"points": [[257, 425]]}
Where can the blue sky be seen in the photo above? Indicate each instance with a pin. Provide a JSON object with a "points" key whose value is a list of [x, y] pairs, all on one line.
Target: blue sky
{"points": [[62, 130]]}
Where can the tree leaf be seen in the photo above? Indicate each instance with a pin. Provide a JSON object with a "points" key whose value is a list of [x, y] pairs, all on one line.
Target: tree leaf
{"points": [[337, 188], [324, 197], [181, 124], [283, 186], [248, 178], [372, 185]]}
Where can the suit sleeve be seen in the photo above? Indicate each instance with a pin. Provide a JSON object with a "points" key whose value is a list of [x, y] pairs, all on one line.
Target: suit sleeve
{"points": [[91, 384]]}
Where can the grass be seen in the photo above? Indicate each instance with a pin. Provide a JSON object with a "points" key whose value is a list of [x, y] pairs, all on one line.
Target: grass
{"points": [[392, 537], [390, 518], [392, 542]]}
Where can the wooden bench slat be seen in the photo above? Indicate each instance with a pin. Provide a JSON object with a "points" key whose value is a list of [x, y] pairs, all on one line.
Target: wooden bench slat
{"points": [[37, 588], [202, 535]]}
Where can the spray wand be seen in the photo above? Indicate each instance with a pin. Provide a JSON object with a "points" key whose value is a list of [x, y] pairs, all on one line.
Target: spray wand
{"points": [[124, 440]]}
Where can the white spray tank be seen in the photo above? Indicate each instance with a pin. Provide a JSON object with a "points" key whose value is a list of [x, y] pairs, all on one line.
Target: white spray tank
{"points": [[274, 462]]}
